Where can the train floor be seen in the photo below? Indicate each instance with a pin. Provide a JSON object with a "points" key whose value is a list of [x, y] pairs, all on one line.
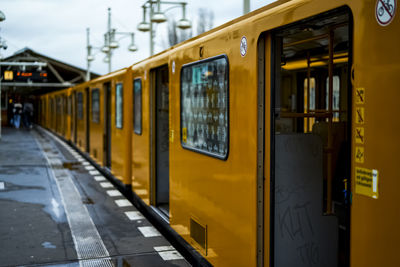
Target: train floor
{"points": [[58, 210]]}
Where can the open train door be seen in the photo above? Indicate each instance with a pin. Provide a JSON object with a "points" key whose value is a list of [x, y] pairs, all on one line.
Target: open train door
{"points": [[307, 134], [160, 139]]}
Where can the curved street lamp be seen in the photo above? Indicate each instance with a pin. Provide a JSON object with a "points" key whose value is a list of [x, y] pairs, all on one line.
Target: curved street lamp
{"points": [[158, 16], [110, 43]]}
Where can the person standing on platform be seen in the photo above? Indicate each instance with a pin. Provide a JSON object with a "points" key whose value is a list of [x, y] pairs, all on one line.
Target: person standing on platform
{"points": [[27, 114], [17, 111]]}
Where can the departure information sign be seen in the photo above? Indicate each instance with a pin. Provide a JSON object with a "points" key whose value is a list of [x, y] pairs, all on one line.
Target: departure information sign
{"points": [[25, 76]]}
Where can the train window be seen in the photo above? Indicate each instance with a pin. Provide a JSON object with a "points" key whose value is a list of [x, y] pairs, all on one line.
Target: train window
{"points": [[137, 105], [204, 107], [96, 105], [79, 101], [118, 105]]}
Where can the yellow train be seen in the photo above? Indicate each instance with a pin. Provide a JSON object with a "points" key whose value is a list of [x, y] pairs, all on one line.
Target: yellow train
{"points": [[271, 140]]}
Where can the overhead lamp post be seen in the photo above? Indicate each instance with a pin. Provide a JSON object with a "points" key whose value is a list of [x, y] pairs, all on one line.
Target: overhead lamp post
{"points": [[110, 43], [246, 6], [158, 16], [4, 46]]}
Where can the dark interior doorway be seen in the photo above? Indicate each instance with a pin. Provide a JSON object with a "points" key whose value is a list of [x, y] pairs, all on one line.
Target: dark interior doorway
{"points": [[310, 142], [161, 134]]}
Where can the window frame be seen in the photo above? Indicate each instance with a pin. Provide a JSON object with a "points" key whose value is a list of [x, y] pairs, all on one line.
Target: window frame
{"points": [[95, 90], [122, 105], [227, 70], [140, 130]]}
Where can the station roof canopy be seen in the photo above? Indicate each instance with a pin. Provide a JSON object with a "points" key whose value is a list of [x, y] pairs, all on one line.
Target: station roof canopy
{"points": [[30, 73]]}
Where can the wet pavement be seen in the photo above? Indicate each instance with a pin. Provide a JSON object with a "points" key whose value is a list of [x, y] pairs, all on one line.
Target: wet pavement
{"points": [[57, 210]]}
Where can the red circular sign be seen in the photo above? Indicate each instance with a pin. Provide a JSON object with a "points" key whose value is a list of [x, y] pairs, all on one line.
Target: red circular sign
{"points": [[385, 11]]}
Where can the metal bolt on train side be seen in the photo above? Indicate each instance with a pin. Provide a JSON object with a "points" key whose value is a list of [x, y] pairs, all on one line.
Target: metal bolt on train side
{"points": [[271, 140]]}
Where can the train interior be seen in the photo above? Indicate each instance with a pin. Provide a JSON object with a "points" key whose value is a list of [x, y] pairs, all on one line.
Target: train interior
{"points": [[311, 137], [160, 177]]}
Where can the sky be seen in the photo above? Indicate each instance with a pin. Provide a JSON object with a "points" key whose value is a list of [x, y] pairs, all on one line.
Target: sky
{"points": [[57, 28]]}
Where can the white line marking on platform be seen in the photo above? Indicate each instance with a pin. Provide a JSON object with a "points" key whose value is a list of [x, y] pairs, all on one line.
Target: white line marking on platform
{"points": [[85, 163], [170, 255], [123, 203], [164, 248], [94, 172], [79, 220], [99, 178], [89, 168], [134, 215], [149, 231], [106, 185], [80, 159], [114, 193], [2, 186]]}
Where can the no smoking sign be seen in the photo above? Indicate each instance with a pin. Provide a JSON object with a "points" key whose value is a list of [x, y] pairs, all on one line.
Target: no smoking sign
{"points": [[385, 11]]}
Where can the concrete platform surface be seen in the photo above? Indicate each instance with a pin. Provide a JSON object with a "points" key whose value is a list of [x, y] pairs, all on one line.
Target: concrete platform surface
{"points": [[55, 210]]}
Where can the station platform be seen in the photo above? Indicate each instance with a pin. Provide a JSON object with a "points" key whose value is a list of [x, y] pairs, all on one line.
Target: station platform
{"points": [[56, 209]]}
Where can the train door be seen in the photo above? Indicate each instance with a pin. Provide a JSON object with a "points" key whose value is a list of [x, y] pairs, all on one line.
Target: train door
{"points": [[107, 126], [65, 115], [75, 116], [160, 139], [71, 121], [308, 137], [87, 121]]}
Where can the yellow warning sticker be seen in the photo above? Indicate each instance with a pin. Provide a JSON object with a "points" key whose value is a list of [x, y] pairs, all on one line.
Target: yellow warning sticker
{"points": [[367, 182], [184, 135], [359, 154], [360, 115], [360, 95], [360, 135]]}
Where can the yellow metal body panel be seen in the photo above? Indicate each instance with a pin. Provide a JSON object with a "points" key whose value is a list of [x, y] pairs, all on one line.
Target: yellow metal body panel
{"points": [[141, 143], [120, 138], [81, 122], [374, 222], [96, 128], [142, 182]]}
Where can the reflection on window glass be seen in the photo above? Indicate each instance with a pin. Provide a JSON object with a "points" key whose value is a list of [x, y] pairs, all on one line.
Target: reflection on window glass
{"points": [[204, 102], [137, 99], [79, 101], [336, 97], [118, 105], [96, 105]]}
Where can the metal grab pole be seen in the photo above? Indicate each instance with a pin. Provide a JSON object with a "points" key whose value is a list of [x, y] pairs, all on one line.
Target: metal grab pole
{"points": [[330, 137]]}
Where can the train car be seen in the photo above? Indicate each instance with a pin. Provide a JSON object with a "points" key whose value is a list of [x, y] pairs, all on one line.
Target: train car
{"points": [[268, 158], [267, 141], [110, 123], [150, 135], [81, 116]]}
